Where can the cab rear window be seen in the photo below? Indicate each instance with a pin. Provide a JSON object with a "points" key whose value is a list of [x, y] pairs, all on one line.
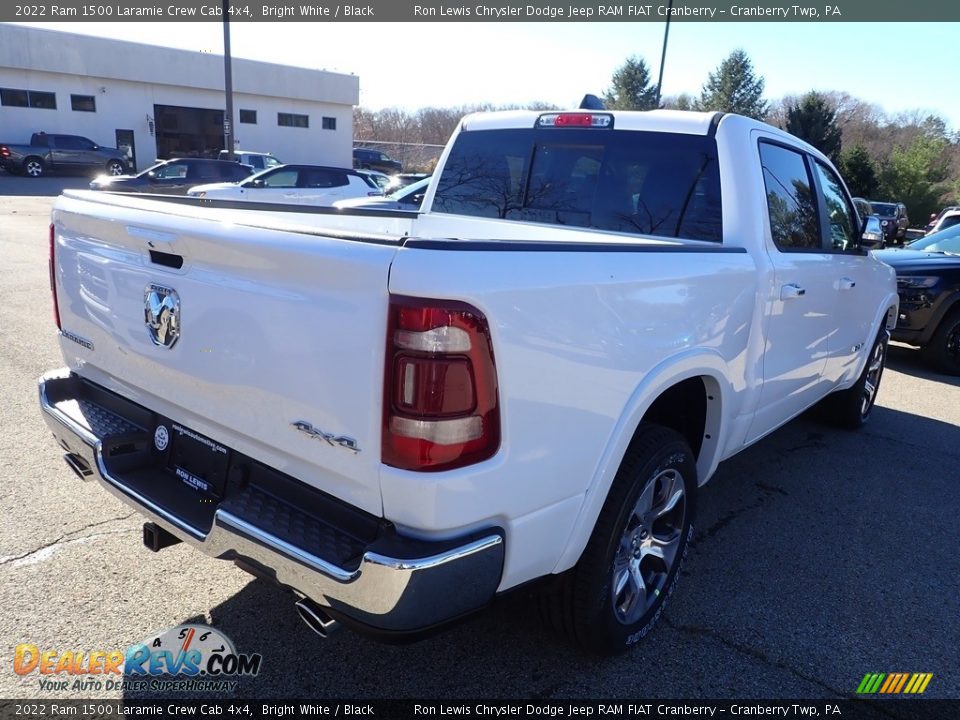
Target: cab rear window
{"points": [[642, 183]]}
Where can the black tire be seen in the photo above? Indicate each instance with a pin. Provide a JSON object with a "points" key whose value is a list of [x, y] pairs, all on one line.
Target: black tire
{"points": [[34, 167], [851, 408], [584, 604], [115, 167], [943, 350]]}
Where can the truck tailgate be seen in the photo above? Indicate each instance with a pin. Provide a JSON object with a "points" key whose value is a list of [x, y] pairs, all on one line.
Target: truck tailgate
{"points": [[278, 348]]}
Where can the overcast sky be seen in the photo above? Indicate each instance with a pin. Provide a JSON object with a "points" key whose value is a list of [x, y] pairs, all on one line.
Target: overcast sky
{"points": [[898, 66]]}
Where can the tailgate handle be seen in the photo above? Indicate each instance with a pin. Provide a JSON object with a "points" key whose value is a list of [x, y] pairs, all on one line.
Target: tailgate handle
{"points": [[166, 259]]}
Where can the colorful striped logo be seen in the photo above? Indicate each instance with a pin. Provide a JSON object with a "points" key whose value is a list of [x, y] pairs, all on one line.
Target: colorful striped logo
{"points": [[894, 683]]}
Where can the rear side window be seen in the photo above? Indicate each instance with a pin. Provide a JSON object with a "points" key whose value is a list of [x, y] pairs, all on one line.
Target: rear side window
{"points": [[205, 171], [661, 184], [230, 171], [315, 178], [791, 203]]}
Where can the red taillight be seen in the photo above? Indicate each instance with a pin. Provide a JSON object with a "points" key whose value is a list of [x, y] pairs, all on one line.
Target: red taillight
{"points": [[4, 151], [575, 120], [440, 396], [53, 275]]}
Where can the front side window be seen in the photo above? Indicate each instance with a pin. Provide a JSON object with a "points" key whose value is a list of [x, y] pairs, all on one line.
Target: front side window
{"points": [[840, 215], [646, 183], [285, 178], [69, 142], [171, 171], [791, 204]]}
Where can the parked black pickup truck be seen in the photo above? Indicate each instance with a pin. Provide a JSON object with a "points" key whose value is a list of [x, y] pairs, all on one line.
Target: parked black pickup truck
{"points": [[57, 153]]}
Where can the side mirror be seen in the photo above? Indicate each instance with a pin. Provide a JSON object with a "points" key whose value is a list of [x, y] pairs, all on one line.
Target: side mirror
{"points": [[257, 184], [871, 232], [152, 175]]}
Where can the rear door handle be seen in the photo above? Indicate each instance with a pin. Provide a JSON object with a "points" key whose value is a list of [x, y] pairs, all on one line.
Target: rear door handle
{"points": [[847, 284], [791, 291]]}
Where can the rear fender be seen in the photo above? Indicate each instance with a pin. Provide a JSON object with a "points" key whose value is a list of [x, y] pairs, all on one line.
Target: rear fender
{"points": [[697, 363]]}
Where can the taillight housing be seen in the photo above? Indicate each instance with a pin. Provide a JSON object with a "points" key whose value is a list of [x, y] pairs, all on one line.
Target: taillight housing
{"points": [[53, 274], [440, 408]]}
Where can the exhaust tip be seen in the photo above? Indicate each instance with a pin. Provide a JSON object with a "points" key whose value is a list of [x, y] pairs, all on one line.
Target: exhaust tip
{"points": [[155, 538], [316, 618], [78, 465]]}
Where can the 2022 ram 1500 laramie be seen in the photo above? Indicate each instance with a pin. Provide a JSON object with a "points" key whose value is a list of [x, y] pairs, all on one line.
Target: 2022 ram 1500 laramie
{"points": [[398, 415]]}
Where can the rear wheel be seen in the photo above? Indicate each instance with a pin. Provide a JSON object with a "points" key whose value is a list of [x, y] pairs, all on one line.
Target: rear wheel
{"points": [[115, 167], [33, 167], [851, 408], [617, 591], [943, 350]]}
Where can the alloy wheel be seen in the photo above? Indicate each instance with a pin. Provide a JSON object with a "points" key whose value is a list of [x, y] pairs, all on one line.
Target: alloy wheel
{"points": [[648, 546]]}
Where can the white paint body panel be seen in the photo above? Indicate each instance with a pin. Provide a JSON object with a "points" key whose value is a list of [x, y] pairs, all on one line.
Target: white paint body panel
{"points": [[287, 322]]}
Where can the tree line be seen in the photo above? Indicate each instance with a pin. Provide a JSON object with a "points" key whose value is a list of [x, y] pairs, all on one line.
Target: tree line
{"points": [[911, 157]]}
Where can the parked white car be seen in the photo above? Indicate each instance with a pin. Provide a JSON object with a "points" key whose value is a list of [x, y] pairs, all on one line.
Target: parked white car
{"points": [[258, 160], [406, 198], [293, 185]]}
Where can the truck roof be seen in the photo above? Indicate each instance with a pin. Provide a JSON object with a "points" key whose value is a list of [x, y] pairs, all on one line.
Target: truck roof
{"points": [[676, 121]]}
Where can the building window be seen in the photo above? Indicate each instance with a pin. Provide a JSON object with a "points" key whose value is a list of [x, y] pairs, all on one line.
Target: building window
{"points": [[43, 100], [293, 120], [15, 98], [83, 103], [248, 116], [329, 123], [28, 98]]}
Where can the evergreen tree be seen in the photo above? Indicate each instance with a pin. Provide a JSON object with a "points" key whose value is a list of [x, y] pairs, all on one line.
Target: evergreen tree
{"points": [[812, 119], [735, 88], [860, 172], [631, 87]]}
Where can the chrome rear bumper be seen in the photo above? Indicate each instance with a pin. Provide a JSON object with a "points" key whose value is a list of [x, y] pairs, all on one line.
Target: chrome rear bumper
{"points": [[391, 584]]}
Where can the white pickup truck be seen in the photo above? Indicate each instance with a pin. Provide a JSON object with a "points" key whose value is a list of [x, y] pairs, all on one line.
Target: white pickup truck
{"points": [[398, 416]]}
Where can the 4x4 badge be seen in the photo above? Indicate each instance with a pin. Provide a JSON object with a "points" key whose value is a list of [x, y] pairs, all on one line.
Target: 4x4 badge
{"points": [[161, 313]]}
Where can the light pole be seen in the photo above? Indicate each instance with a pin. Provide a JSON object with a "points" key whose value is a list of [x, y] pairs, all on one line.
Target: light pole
{"points": [[228, 82], [663, 55]]}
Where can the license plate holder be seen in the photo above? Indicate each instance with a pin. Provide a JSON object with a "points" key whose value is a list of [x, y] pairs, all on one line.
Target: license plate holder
{"points": [[197, 461]]}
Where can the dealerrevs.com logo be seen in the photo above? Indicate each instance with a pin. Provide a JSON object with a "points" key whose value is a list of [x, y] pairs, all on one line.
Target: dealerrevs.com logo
{"points": [[183, 658]]}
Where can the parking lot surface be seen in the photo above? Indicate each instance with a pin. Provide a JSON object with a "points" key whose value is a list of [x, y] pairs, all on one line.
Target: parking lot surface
{"points": [[820, 555]]}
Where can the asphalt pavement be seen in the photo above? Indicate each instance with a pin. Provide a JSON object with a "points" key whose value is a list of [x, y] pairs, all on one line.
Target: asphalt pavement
{"points": [[820, 555]]}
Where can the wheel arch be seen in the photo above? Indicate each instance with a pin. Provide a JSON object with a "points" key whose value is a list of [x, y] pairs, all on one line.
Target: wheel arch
{"points": [[698, 378], [947, 306]]}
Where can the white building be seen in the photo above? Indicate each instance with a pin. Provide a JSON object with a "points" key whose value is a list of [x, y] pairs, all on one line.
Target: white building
{"points": [[157, 102]]}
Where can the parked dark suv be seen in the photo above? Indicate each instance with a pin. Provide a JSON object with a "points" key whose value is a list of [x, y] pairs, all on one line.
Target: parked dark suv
{"points": [[893, 219], [369, 159], [928, 282], [175, 177]]}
